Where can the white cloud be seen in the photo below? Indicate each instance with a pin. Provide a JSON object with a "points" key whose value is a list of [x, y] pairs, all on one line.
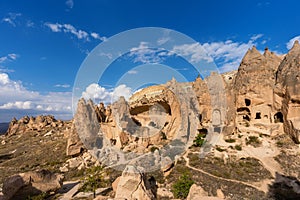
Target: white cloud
{"points": [[165, 38], [11, 18], [70, 3], [9, 57], [132, 72], [97, 36], [17, 104], [80, 34], [4, 79], [29, 23], [226, 54], [100, 94], [290, 43], [256, 37], [144, 54], [68, 28], [5, 70], [121, 90], [62, 85], [54, 27], [195, 51], [14, 96]]}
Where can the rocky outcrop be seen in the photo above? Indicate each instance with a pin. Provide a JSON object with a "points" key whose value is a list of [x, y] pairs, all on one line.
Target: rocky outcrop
{"points": [[38, 124], [31, 183], [287, 92], [85, 128], [74, 144], [133, 184]]}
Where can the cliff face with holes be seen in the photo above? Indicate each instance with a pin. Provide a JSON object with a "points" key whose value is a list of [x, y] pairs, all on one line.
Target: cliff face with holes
{"points": [[287, 92], [267, 93]]}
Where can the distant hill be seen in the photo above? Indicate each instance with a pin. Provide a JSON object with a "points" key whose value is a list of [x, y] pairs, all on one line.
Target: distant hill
{"points": [[3, 128]]}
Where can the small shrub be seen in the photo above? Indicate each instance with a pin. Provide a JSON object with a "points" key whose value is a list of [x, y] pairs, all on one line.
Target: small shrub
{"points": [[93, 179], [230, 140], [279, 143], [153, 148], [240, 136], [182, 186], [238, 147], [41, 196], [220, 149], [199, 140], [253, 140], [163, 136]]}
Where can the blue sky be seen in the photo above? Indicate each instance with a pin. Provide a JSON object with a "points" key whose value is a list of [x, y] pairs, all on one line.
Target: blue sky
{"points": [[43, 43]]}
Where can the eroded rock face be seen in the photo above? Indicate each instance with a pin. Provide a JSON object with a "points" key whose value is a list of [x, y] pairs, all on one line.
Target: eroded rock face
{"points": [[74, 144], [254, 84], [288, 92], [133, 184], [85, 128]]}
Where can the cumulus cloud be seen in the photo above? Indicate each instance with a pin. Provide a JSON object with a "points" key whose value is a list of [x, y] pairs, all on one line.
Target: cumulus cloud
{"points": [[100, 94], [16, 100], [17, 104], [290, 43], [68, 28], [121, 90], [11, 18]]}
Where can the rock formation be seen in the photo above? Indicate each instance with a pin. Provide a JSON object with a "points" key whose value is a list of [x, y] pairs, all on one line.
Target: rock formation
{"points": [[39, 124], [287, 92], [254, 84], [31, 183], [133, 184]]}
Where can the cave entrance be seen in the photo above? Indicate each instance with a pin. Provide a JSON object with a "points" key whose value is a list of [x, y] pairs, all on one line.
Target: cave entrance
{"points": [[258, 115], [247, 102], [278, 117]]}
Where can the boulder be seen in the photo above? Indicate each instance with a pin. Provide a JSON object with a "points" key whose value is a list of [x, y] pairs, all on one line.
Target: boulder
{"points": [[196, 192], [74, 144], [31, 183], [11, 185], [134, 185]]}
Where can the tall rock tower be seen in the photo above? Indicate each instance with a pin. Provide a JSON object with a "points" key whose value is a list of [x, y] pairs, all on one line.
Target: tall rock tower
{"points": [[287, 92], [254, 85]]}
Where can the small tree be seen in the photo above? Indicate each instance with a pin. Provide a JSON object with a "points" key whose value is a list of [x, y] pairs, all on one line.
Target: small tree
{"points": [[199, 140], [182, 186]]}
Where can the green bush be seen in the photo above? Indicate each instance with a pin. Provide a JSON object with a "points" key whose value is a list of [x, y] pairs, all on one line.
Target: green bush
{"points": [[220, 149], [253, 140], [238, 147], [41, 196], [199, 140], [230, 140], [93, 179], [182, 186], [153, 148]]}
